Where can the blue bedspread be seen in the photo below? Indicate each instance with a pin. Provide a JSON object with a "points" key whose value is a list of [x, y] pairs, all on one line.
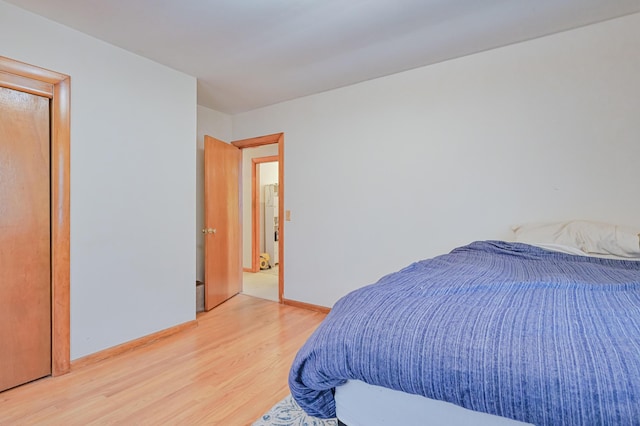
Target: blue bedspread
{"points": [[503, 328]]}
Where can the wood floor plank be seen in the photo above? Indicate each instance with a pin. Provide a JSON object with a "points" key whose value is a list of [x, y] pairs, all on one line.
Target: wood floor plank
{"points": [[228, 370]]}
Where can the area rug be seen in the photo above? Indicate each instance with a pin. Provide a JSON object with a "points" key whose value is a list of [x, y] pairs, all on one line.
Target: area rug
{"points": [[288, 413]]}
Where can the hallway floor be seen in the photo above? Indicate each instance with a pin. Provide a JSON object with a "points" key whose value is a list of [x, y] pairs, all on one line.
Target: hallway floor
{"points": [[263, 284]]}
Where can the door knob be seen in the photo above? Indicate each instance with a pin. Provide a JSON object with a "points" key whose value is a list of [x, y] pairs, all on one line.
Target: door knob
{"points": [[209, 231]]}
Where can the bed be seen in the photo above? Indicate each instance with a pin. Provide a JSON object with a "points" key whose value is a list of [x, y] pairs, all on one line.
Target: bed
{"points": [[543, 332]]}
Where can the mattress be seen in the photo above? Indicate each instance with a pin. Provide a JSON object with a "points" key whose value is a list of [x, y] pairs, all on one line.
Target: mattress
{"points": [[362, 404]]}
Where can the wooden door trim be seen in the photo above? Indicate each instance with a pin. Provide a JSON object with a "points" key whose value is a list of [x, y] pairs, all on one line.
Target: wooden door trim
{"points": [[21, 76], [255, 209], [25, 84], [269, 140], [258, 141]]}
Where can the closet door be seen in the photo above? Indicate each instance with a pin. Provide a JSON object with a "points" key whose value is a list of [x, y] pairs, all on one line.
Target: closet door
{"points": [[25, 242]]}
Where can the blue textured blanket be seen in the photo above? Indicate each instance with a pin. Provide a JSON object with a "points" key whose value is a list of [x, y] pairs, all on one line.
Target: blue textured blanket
{"points": [[503, 328]]}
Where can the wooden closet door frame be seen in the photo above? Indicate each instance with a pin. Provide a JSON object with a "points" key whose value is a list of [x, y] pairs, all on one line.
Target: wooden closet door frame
{"points": [[55, 86]]}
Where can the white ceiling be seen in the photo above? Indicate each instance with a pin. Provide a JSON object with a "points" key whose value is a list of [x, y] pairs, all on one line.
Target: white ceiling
{"points": [[252, 53]]}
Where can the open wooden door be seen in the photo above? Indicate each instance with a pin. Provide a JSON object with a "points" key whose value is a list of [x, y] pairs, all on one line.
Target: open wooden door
{"points": [[222, 221]]}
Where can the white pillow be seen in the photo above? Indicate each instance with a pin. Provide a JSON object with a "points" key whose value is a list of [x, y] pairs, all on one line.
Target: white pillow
{"points": [[559, 248], [590, 237]]}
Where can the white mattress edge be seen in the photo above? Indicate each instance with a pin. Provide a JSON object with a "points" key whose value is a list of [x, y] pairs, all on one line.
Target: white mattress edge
{"points": [[362, 404]]}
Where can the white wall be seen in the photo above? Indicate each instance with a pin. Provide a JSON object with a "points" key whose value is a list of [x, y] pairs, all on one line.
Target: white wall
{"points": [[247, 155], [133, 123], [405, 167], [218, 125], [268, 173]]}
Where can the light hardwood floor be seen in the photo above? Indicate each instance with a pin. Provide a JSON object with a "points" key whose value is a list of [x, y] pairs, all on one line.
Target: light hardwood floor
{"points": [[228, 370]]}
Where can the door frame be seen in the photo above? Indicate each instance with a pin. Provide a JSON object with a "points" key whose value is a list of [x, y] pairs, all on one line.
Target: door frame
{"points": [[255, 208], [55, 86], [276, 138]]}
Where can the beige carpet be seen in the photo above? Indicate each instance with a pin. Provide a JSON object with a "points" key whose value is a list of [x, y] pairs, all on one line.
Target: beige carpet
{"points": [[263, 284], [271, 271]]}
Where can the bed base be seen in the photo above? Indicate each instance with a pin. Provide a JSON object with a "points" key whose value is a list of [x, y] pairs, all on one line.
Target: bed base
{"points": [[361, 404]]}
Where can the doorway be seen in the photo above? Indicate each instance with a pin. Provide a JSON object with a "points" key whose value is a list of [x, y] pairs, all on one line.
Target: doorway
{"points": [[251, 262], [260, 275], [214, 203]]}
